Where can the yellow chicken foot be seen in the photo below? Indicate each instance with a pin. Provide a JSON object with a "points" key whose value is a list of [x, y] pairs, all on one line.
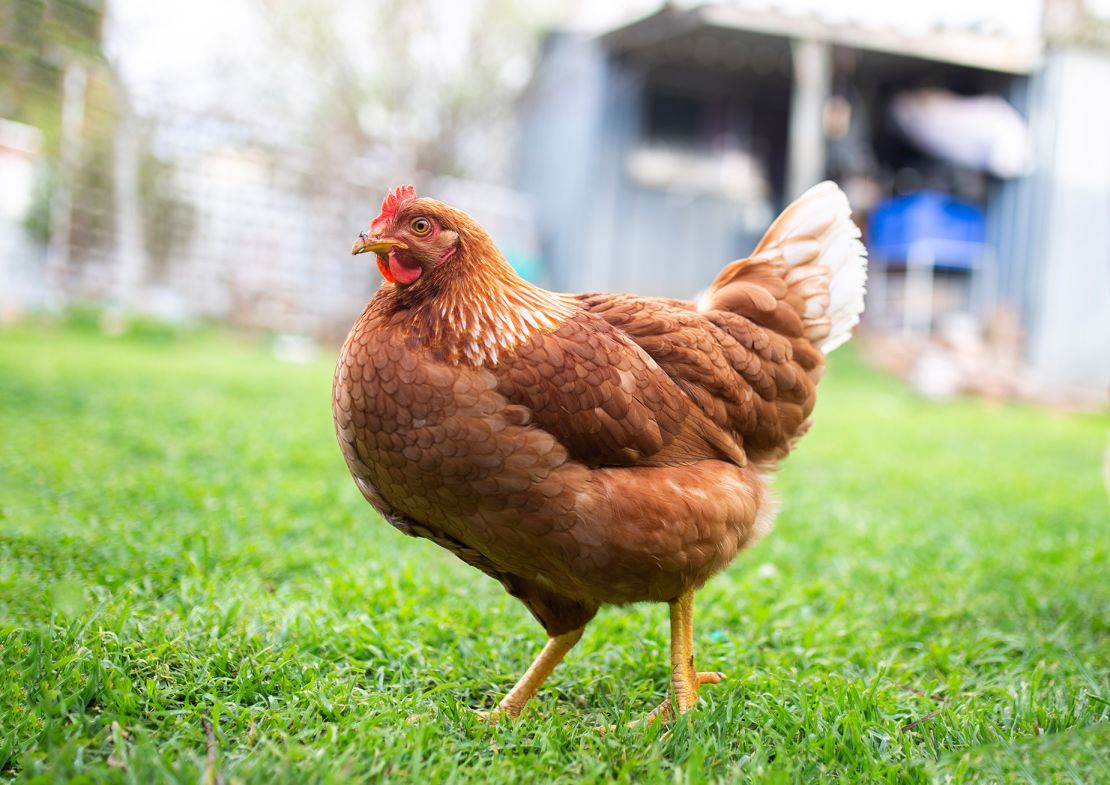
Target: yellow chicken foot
{"points": [[684, 679], [553, 652]]}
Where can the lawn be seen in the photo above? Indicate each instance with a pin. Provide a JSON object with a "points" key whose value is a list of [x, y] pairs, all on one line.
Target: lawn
{"points": [[192, 589]]}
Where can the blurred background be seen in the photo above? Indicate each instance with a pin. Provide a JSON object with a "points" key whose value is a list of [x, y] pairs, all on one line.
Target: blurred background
{"points": [[191, 587], [214, 160]]}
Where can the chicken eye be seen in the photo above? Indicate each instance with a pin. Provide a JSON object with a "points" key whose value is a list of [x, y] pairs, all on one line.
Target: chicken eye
{"points": [[420, 226]]}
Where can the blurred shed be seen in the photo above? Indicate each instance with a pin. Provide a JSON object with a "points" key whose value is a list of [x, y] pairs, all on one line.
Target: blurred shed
{"points": [[659, 150]]}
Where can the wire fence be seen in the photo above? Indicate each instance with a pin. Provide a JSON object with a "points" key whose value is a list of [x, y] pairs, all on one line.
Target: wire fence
{"points": [[118, 195]]}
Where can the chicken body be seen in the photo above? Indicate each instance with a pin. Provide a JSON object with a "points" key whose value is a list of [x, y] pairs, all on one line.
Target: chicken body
{"points": [[586, 449], [453, 453]]}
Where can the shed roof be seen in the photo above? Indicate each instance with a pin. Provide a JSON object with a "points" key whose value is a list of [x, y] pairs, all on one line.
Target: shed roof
{"points": [[702, 29]]}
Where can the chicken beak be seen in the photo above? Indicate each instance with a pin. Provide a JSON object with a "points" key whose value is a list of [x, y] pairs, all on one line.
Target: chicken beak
{"points": [[375, 244]]}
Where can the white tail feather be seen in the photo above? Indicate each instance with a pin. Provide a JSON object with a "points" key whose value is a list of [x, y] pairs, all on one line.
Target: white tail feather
{"points": [[816, 231]]}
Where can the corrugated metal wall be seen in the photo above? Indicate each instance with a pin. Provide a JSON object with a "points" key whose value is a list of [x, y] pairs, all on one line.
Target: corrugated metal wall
{"points": [[601, 231], [1050, 231], [1069, 275]]}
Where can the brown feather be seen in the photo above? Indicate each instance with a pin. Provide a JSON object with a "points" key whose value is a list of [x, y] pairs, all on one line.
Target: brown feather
{"points": [[586, 449]]}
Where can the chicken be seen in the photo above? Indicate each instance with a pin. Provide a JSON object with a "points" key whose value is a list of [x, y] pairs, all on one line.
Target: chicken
{"points": [[594, 449]]}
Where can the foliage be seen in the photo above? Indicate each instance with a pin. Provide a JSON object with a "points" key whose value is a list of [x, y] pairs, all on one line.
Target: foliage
{"points": [[36, 222], [421, 87], [37, 37], [169, 218], [94, 185], [180, 543]]}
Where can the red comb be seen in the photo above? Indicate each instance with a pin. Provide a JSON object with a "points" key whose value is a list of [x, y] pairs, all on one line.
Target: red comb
{"points": [[393, 201]]}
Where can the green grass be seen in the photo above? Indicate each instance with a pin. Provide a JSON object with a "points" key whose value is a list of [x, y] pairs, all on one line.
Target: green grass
{"points": [[179, 540]]}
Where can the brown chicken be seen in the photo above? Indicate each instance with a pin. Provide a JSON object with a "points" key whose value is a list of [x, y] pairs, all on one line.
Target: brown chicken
{"points": [[588, 449]]}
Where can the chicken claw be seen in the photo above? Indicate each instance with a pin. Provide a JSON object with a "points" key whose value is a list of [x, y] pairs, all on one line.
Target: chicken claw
{"points": [[685, 680], [553, 652], [665, 710]]}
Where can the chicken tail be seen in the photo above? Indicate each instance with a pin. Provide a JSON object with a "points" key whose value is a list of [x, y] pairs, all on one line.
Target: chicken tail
{"points": [[806, 277]]}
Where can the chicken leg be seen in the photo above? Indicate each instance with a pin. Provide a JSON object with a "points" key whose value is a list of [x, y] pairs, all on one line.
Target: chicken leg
{"points": [[685, 680], [553, 652]]}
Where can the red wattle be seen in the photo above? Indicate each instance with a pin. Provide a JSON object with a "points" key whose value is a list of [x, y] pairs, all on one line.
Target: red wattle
{"points": [[402, 272], [384, 270]]}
